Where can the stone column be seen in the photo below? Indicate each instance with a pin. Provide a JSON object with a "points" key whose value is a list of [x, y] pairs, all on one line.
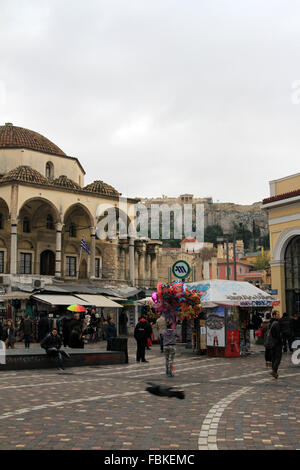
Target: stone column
{"points": [[131, 262], [93, 252], [13, 229], [59, 227], [13, 246], [154, 269]]}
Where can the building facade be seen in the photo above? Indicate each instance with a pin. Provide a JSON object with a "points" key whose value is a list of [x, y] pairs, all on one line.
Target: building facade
{"points": [[45, 212], [283, 207]]}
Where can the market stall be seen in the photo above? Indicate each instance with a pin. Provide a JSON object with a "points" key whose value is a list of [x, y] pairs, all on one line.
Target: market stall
{"points": [[227, 306]]}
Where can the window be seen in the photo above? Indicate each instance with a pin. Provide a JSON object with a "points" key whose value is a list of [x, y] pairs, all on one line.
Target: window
{"points": [[71, 266], [49, 222], [25, 263], [49, 170], [1, 220], [1, 262], [26, 225], [97, 267], [72, 230]]}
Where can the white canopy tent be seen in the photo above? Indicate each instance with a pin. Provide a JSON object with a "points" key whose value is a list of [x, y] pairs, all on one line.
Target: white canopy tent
{"points": [[221, 292]]}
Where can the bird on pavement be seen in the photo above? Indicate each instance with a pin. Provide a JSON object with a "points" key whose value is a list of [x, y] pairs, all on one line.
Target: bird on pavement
{"points": [[163, 391]]}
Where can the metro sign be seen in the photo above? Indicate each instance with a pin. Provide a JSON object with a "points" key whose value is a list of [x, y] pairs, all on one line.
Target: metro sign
{"points": [[181, 269]]}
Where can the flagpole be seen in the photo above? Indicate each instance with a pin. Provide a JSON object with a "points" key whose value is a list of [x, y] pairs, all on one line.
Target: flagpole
{"points": [[79, 262]]}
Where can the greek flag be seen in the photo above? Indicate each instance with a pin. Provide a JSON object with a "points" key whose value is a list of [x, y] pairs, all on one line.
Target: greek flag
{"points": [[84, 245]]}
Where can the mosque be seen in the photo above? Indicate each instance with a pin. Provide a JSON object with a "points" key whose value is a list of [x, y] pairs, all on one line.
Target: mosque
{"points": [[46, 210]]}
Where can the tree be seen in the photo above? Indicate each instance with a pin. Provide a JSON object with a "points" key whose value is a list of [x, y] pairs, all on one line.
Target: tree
{"points": [[211, 232], [262, 262]]}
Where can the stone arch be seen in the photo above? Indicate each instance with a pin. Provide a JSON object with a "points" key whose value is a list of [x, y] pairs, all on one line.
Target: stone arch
{"points": [[282, 242], [4, 214], [79, 215], [34, 207]]}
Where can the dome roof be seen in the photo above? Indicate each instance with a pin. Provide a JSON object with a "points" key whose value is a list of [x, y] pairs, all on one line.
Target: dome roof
{"points": [[17, 137], [26, 174], [64, 181], [100, 187]]}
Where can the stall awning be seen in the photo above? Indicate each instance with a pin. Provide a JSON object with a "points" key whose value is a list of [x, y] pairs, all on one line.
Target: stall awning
{"points": [[222, 292], [15, 296], [52, 299], [98, 301]]}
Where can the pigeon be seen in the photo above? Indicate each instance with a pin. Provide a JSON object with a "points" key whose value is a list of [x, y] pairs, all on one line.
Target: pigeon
{"points": [[163, 391]]}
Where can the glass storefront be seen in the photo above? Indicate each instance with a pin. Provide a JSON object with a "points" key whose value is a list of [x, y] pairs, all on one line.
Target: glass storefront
{"points": [[292, 276]]}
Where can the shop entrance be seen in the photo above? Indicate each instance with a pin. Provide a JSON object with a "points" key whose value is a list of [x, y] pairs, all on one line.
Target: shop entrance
{"points": [[292, 276]]}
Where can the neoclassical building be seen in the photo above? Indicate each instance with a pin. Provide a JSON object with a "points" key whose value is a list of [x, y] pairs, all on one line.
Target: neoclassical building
{"points": [[283, 207], [46, 209]]}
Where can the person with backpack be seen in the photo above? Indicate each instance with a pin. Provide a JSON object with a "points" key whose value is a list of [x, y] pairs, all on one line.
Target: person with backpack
{"points": [[274, 342]]}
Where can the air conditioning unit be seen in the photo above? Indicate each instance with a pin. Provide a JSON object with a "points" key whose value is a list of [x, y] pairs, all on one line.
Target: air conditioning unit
{"points": [[37, 283]]}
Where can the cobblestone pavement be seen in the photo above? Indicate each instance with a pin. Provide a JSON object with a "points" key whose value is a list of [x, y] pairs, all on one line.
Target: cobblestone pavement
{"points": [[231, 403]]}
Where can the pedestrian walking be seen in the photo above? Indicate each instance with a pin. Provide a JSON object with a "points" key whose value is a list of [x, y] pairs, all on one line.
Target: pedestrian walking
{"points": [[27, 331], [169, 344], [286, 331], [161, 326], [266, 324], [274, 340], [52, 344], [142, 331], [1, 330], [9, 335]]}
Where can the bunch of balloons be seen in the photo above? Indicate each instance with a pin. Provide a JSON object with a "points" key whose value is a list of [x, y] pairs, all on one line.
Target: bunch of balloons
{"points": [[174, 299]]}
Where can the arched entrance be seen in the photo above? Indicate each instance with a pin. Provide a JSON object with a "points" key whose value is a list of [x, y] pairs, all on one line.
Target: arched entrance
{"points": [[292, 275], [47, 263]]}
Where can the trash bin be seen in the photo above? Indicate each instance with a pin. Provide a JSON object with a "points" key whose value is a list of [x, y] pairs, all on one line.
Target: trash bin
{"points": [[118, 344]]}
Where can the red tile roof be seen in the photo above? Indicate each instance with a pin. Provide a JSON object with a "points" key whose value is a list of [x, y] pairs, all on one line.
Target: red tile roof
{"points": [[18, 137], [279, 197]]}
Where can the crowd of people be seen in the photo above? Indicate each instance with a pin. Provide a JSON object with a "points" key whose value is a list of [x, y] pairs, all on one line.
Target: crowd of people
{"points": [[278, 334]]}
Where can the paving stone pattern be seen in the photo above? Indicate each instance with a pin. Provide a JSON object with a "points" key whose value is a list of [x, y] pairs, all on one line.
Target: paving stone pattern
{"points": [[231, 403]]}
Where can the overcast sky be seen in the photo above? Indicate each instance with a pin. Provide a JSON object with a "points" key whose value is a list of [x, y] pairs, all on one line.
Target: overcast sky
{"points": [[159, 96]]}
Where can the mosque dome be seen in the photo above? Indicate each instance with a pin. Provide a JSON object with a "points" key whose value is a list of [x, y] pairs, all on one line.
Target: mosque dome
{"points": [[25, 174], [100, 187], [66, 182], [17, 137]]}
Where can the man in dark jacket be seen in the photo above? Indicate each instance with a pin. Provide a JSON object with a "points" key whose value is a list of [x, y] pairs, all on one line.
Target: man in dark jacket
{"points": [[276, 335], [110, 331], [142, 331], [286, 331], [27, 331], [52, 344]]}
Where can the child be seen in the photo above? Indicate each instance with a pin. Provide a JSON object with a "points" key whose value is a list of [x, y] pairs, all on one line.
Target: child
{"points": [[169, 344]]}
